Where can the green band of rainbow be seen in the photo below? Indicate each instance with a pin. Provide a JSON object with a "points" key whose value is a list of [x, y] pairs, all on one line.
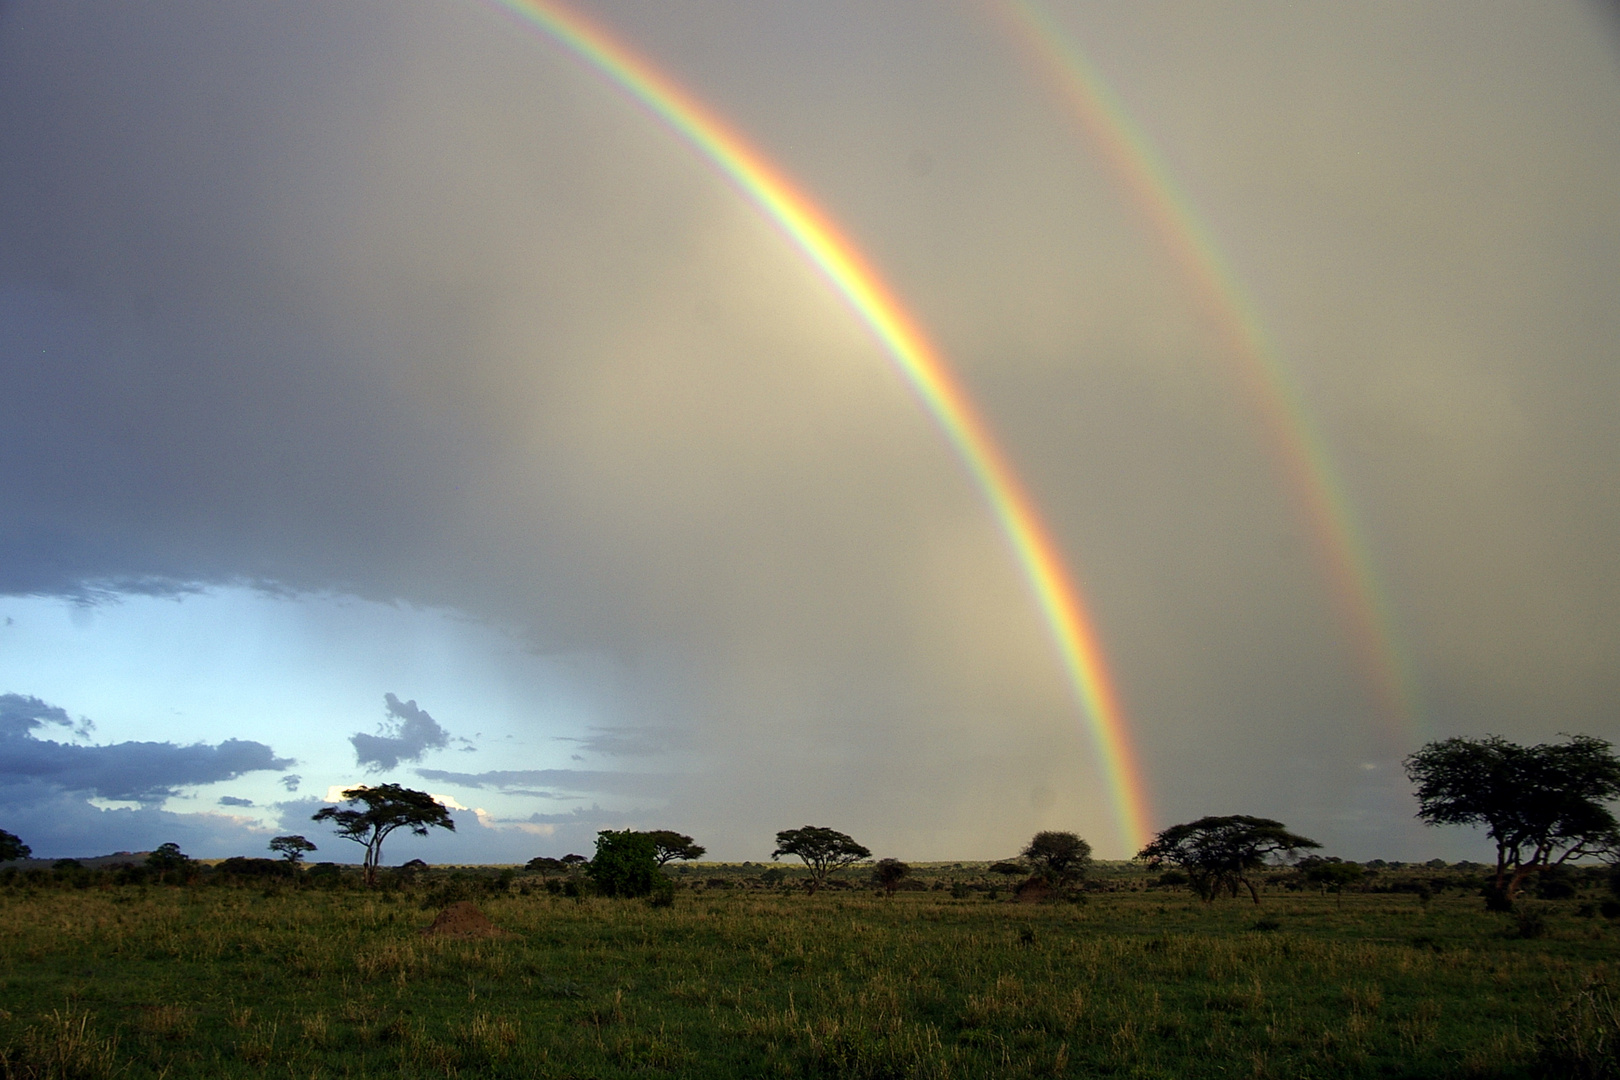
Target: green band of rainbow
{"points": [[1310, 475], [852, 278]]}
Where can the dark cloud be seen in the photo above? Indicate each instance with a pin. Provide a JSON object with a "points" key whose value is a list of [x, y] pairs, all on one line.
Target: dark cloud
{"points": [[59, 824], [291, 781], [628, 741], [144, 772], [408, 733], [20, 715], [234, 800]]}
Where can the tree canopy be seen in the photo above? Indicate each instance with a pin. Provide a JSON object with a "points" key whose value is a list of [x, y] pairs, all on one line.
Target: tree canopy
{"points": [[1543, 805], [168, 859], [889, 873], [824, 851], [387, 807], [1220, 853], [12, 847], [668, 845], [1059, 857], [292, 848]]}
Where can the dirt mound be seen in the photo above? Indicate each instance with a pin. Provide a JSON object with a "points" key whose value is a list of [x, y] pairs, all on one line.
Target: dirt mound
{"points": [[462, 919]]}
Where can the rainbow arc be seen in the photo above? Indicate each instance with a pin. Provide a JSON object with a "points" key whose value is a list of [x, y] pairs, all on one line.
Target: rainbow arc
{"points": [[1309, 473], [851, 276]]}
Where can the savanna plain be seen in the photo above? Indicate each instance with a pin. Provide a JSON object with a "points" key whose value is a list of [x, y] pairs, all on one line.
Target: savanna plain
{"points": [[745, 975]]}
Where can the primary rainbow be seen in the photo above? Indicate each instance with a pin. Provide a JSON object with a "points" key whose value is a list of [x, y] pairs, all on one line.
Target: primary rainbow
{"points": [[1311, 477], [860, 286]]}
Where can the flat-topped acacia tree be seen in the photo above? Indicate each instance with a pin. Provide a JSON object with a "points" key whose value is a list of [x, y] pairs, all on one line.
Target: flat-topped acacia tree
{"points": [[824, 851], [387, 807], [669, 845], [1220, 853], [1543, 805]]}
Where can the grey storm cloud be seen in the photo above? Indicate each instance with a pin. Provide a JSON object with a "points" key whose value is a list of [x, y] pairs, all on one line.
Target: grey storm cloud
{"points": [[234, 800], [133, 771], [397, 301], [20, 714], [612, 741], [408, 733]]}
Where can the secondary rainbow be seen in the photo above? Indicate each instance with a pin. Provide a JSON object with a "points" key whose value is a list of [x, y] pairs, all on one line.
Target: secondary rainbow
{"points": [[874, 304], [1310, 475]]}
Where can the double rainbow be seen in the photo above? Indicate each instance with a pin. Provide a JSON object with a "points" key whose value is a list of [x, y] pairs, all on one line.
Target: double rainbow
{"points": [[852, 278]]}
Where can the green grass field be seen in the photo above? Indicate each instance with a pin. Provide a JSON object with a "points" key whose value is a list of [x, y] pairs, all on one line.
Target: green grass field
{"points": [[167, 981]]}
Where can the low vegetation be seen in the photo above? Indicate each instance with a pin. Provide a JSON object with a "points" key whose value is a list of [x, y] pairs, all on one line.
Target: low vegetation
{"points": [[254, 967], [1050, 965]]}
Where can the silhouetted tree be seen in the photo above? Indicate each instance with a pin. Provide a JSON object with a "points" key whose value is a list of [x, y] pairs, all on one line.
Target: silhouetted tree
{"points": [[1221, 852], [168, 859], [1543, 805], [12, 847], [292, 848], [889, 873], [545, 866], [1332, 875], [1059, 857], [823, 851], [387, 807], [668, 845], [626, 863]]}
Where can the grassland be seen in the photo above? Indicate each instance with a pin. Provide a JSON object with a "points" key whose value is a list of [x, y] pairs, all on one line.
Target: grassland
{"points": [[181, 981]]}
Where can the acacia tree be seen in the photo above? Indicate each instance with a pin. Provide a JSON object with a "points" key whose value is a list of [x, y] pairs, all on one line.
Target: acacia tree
{"points": [[292, 848], [1059, 857], [823, 851], [889, 873], [669, 845], [387, 807], [1543, 805], [12, 847], [1220, 853]]}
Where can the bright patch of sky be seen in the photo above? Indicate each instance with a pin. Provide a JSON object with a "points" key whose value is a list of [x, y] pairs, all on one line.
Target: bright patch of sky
{"points": [[302, 674]]}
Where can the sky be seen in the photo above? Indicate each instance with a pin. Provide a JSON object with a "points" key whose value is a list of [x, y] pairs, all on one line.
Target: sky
{"points": [[388, 394]]}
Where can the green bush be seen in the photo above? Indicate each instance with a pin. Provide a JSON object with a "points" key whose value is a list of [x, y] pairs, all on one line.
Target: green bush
{"points": [[626, 863]]}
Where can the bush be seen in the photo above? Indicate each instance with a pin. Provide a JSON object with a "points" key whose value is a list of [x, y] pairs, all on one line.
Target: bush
{"points": [[1532, 923], [626, 863], [663, 893], [1555, 884], [238, 866]]}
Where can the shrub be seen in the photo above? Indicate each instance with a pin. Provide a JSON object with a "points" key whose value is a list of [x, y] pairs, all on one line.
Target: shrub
{"points": [[626, 863], [1555, 884], [1532, 923]]}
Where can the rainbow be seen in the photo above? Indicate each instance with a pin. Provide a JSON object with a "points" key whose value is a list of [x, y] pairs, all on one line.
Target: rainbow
{"points": [[1309, 472], [858, 284]]}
